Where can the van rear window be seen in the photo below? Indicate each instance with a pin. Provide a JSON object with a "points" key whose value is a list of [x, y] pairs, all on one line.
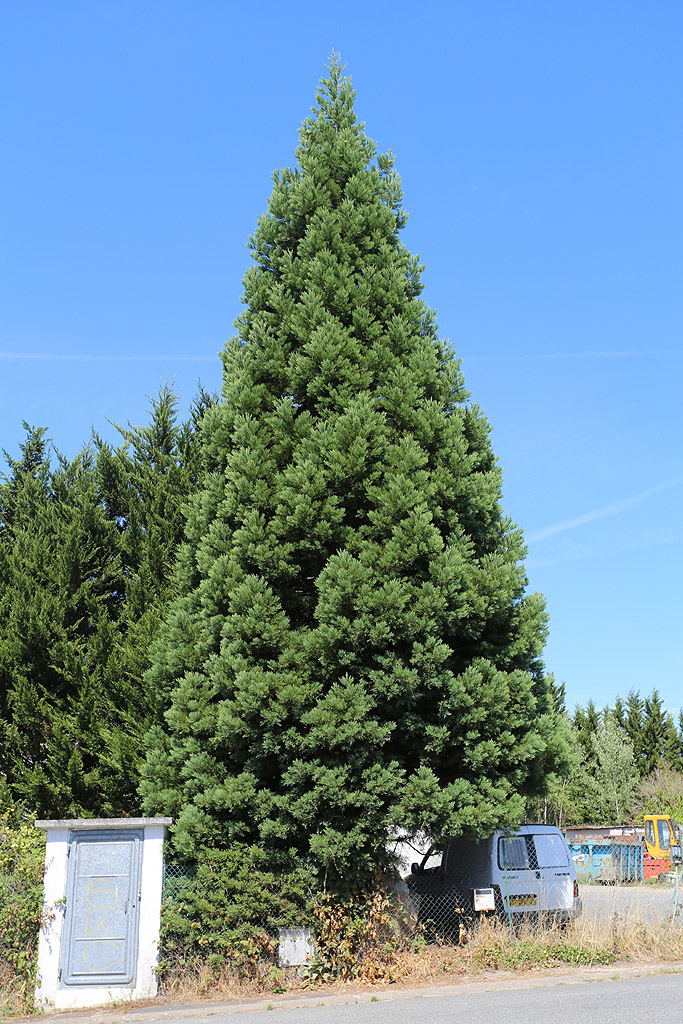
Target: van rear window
{"points": [[513, 854], [534, 851], [551, 851]]}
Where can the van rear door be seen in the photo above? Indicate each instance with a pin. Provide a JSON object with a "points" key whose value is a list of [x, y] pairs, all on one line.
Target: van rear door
{"points": [[556, 882], [520, 882]]}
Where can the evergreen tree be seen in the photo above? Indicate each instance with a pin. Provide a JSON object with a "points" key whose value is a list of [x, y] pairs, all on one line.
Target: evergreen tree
{"points": [[144, 484], [659, 739], [618, 712], [24, 489], [558, 694], [633, 726], [352, 650], [586, 722], [21, 490], [673, 753], [62, 583], [86, 552]]}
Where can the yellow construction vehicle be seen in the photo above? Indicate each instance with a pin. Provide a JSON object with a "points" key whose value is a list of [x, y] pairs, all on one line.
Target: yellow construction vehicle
{"points": [[663, 838]]}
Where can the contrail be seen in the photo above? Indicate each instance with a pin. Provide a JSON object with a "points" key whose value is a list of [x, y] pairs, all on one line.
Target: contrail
{"points": [[601, 513], [88, 358], [608, 354], [91, 358]]}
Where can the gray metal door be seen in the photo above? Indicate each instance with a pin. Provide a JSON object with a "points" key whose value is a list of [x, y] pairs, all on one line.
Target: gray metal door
{"points": [[99, 945]]}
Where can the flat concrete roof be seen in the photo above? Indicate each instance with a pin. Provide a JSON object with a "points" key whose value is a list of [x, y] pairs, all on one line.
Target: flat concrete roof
{"points": [[101, 823]]}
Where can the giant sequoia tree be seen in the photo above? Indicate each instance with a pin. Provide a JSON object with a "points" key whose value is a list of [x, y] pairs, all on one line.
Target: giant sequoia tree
{"points": [[353, 651]]}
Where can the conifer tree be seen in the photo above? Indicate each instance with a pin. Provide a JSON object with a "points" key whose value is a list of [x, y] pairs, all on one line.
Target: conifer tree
{"points": [[62, 584], [678, 759], [652, 731], [558, 694], [658, 734], [144, 484], [353, 651], [586, 722], [86, 556], [633, 726]]}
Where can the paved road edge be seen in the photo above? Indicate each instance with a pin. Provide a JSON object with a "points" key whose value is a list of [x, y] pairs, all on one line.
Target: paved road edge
{"points": [[169, 1011]]}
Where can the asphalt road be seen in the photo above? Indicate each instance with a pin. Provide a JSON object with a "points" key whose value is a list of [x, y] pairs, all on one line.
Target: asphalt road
{"points": [[644, 904], [581, 999], [625, 1002], [611, 1002]]}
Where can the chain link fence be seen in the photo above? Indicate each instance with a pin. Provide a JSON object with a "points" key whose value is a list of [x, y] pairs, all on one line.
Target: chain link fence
{"points": [[525, 878], [176, 876]]}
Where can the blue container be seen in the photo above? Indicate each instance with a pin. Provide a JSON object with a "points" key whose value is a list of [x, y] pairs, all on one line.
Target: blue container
{"points": [[607, 860]]}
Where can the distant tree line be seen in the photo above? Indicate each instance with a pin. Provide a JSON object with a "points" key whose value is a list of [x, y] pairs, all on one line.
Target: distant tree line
{"points": [[626, 760]]}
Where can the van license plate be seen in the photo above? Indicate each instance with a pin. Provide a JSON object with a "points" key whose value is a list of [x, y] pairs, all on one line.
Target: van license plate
{"points": [[523, 901]]}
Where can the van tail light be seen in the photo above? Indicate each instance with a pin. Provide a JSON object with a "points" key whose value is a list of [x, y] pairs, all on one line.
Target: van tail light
{"points": [[576, 890], [497, 897]]}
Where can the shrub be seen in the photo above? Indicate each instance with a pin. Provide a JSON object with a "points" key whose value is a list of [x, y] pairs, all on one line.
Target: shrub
{"points": [[662, 793], [229, 913], [22, 855], [358, 938]]}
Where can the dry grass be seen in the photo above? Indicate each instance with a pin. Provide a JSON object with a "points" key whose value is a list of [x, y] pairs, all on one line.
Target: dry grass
{"points": [[487, 948], [412, 961], [202, 978], [226, 982], [491, 947]]}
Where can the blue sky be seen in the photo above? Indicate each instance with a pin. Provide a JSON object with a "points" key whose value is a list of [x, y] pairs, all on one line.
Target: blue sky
{"points": [[541, 153]]}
